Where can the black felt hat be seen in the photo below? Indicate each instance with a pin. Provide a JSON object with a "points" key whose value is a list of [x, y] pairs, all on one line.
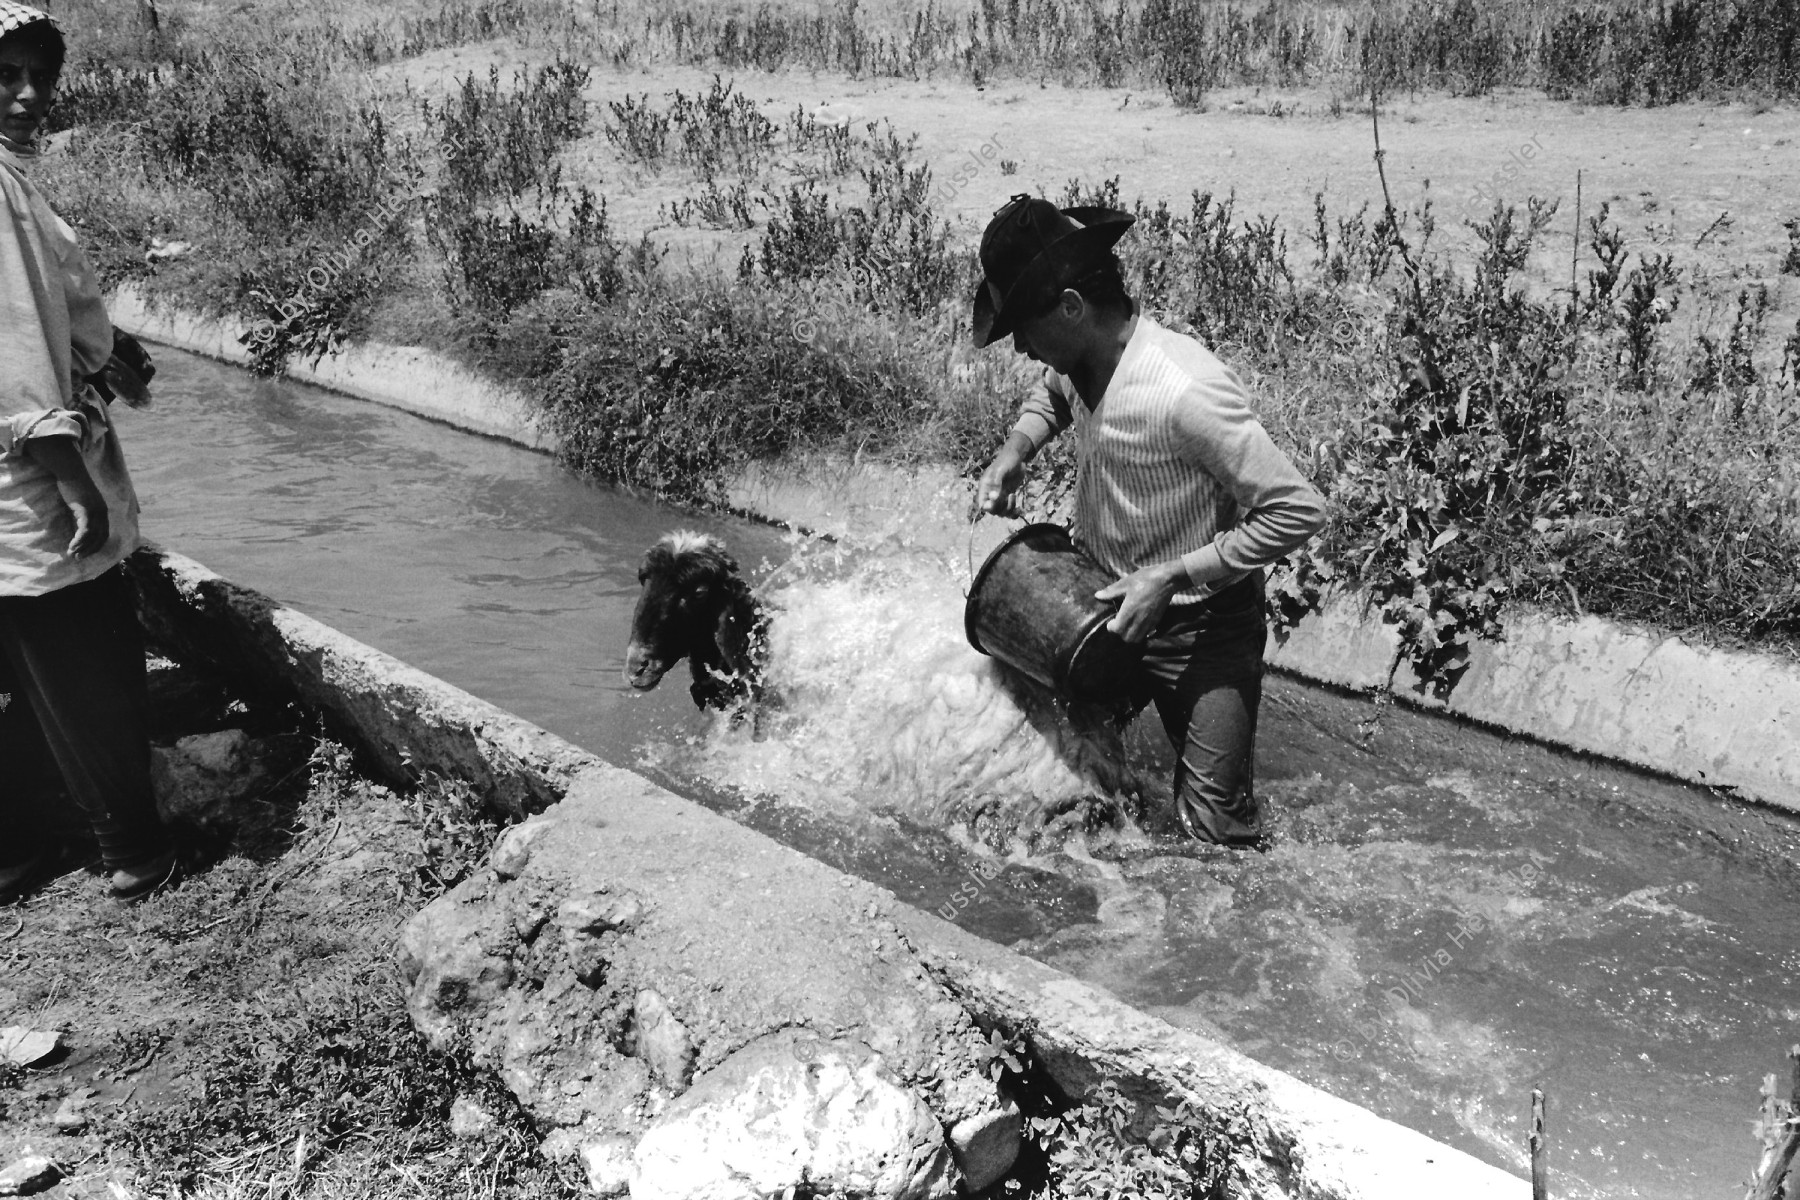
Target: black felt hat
{"points": [[1031, 251]]}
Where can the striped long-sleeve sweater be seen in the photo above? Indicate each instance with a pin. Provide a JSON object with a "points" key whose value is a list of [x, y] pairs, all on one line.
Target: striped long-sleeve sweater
{"points": [[1173, 464]]}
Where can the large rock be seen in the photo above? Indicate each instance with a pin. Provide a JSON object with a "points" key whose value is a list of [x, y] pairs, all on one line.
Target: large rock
{"points": [[32, 1173], [204, 779], [617, 950], [23, 1047], [795, 1110], [512, 852], [607, 1164], [456, 959]]}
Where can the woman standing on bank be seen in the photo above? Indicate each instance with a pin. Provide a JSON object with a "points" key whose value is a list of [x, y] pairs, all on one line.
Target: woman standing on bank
{"points": [[71, 652]]}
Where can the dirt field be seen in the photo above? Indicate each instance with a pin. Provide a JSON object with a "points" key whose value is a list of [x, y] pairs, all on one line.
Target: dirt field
{"points": [[1669, 173]]}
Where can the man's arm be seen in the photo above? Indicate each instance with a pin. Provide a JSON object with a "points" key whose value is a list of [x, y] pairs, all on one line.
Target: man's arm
{"points": [[61, 456], [1043, 415], [1278, 510]]}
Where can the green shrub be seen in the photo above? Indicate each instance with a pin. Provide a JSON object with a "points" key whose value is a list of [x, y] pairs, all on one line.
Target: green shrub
{"points": [[639, 132], [679, 380], [1593, 49], [721, 129], [504, 144], [1437, 494], [893, 248]]}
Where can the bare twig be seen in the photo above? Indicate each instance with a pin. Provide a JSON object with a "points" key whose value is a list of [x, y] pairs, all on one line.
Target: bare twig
{"points": [[1575, 258], [145, 1059], [16, 930], [1722, 221], [1387, 201], [313, 853], [1425, 367]]}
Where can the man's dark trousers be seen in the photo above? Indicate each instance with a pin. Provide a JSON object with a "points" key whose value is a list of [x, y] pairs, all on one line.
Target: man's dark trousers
{"points": [[1203, 669]]}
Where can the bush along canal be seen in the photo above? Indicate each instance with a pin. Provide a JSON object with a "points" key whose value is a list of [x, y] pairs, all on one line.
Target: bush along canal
{"points": [[1447, 920]]}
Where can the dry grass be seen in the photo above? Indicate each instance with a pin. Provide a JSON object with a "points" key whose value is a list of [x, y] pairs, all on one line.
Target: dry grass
{"points": [[245, 1031]]}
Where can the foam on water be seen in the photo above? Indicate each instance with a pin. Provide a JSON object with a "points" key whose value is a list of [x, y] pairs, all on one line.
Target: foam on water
{"points": [[883, 708]]}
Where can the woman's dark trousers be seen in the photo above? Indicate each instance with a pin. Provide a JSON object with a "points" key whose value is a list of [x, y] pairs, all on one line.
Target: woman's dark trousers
{"points": [[72, 663]]}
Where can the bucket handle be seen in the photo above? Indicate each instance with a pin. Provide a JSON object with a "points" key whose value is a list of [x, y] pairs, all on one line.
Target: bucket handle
{"points": [[975, 515]]}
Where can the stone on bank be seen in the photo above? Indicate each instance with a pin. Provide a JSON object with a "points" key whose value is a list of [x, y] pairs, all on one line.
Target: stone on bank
{"points": [[697, 1016], [794, 1109]]}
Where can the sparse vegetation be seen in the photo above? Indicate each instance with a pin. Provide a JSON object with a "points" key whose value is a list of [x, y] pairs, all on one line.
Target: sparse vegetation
{"points": [[312, 210], [277, 1056]]}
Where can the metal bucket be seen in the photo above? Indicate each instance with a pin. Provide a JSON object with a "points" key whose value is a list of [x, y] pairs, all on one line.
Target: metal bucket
{"points": [[1032, 607]]}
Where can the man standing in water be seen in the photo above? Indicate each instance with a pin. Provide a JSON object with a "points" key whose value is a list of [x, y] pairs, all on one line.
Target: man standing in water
{"points": [[1179, 490]]}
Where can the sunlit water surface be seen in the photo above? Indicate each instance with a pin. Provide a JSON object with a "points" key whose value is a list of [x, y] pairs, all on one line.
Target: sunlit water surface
{"points": [[1448, 920]]}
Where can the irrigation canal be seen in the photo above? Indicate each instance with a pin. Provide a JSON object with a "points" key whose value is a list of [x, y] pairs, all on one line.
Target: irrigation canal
{"points": [[1449, 919]]}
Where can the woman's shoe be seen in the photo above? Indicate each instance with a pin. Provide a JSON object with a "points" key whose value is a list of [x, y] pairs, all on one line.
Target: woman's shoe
{"points": [[134, 883]]}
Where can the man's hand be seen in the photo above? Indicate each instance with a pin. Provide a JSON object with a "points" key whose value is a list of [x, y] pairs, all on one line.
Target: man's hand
{"points": [[994, 492], [1143, 597]]}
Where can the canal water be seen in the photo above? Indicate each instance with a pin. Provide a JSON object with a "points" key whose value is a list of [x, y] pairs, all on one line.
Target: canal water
{"points": [[1448, 920]]}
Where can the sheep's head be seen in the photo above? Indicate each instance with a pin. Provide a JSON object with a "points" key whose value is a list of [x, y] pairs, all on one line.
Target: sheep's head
{"points": [[689, 580]]}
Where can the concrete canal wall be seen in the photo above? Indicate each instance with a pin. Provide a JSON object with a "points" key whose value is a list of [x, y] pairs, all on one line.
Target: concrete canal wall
{"points": [[1728, 720], [629, 958]]}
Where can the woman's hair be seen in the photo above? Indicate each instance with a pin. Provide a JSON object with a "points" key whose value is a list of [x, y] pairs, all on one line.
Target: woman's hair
{"points": [[44, 38]]}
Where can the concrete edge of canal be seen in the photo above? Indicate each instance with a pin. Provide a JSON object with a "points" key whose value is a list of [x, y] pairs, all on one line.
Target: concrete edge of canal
{"points": [[1290, 1140], [1726, 719]]}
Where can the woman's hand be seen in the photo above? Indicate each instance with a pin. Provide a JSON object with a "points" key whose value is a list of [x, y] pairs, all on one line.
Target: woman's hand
{"points": [[92, 524], [1143, 597], [62, 458]]}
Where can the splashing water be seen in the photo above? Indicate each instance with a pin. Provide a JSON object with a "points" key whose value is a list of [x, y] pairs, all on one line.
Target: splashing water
{"points": [[883, 708]]}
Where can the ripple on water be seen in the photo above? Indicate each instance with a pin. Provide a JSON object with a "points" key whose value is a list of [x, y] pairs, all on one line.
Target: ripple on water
{"points": [[1642, 970]]}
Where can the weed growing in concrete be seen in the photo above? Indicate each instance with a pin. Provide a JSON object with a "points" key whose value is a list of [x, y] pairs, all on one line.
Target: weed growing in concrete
{"points": [[1106, 1143]]}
